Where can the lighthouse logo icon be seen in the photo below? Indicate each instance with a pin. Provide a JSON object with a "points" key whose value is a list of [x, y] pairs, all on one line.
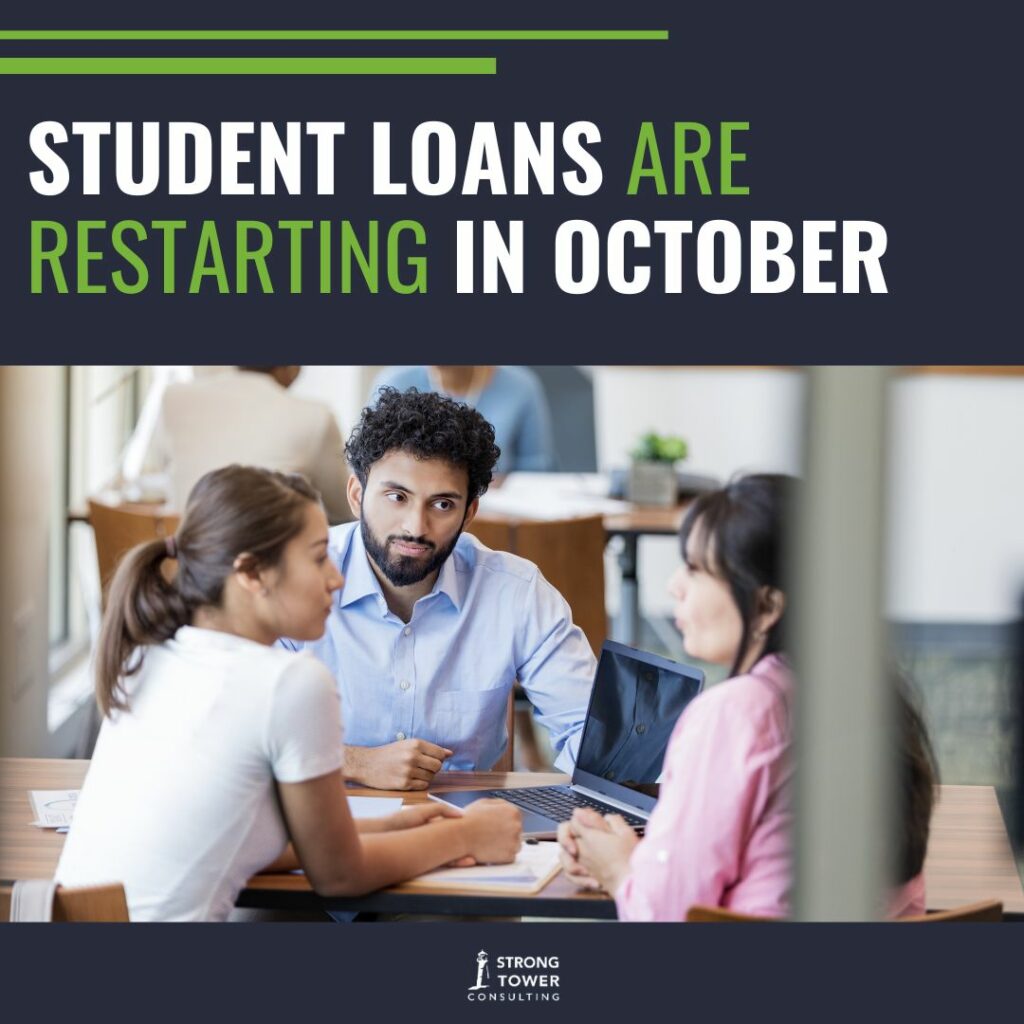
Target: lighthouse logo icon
{"points": [[483, 973]]}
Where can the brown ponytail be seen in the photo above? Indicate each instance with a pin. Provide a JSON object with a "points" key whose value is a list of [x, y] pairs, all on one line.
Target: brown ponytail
{"points": [[231, 511], [142, 609]]}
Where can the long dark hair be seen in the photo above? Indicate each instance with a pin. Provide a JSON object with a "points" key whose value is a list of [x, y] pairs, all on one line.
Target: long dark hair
{"points": [[231, 511], [741, 541], [918, 775]]}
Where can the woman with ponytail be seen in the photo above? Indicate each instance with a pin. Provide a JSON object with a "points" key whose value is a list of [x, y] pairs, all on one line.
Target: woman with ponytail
{"points": [[218, 747]]}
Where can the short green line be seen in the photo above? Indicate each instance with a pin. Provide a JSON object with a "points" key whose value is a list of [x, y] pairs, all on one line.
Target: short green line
{"points": [[439, 35], [248, 66]]}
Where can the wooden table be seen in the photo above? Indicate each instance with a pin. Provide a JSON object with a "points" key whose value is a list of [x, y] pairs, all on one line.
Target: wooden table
{"points": [[969, 856], [559, 898], [30, 852]]}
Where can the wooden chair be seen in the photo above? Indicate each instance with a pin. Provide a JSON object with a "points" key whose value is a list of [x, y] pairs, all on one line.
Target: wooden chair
{"points": [[988, 910], [119, 528], [94, 903], [570, 554], [720, 915], [506, 762]]}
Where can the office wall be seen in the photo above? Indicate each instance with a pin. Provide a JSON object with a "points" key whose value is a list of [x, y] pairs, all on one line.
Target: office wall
{"points": [[29, 420], [734, 420], [956, 541]]}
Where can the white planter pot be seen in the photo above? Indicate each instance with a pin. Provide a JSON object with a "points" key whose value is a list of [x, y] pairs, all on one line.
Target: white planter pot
{"points": [[652, 483]]}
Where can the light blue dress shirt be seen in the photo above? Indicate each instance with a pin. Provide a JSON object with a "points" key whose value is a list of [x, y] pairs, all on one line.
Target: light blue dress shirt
{"points": [[513, 403], [445, 675]]}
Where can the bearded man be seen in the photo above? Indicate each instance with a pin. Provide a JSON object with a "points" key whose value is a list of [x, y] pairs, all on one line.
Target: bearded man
{"points": [[431, 629]]}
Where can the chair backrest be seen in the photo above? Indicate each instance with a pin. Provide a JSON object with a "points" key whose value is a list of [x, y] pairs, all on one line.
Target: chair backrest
{"points": [[119, 528], [92, 903], [715, 915], [570, 554], [507, 760], [988, 910]]}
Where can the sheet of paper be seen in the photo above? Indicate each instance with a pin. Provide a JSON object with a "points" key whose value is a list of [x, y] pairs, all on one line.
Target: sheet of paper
{"points": [[53, 808], [534, 862], [373, 806]]}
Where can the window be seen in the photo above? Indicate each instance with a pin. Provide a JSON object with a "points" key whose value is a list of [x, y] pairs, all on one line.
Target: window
{"points": [[99, 407]]}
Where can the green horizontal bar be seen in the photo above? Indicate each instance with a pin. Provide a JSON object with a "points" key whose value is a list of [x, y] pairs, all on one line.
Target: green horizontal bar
{"points": [[442, 35], [248, 66]]}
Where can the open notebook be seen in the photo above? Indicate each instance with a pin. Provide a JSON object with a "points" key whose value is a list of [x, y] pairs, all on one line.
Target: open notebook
{"points": [[534, 866]]}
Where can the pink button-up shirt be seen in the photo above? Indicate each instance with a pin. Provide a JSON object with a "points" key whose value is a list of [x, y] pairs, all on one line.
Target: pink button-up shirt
{"points": [[720, 833]]}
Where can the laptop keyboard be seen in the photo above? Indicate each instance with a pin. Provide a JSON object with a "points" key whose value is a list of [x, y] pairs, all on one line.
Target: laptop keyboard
{"points": [[559, 804]]}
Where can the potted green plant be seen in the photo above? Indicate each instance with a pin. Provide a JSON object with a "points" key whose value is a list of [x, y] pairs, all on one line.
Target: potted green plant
{"points": [[652, 473]]}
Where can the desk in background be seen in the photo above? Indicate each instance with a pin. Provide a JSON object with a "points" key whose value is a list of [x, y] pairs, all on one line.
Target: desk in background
{"points": [[640, 521], [969, 856], [547, 496]]}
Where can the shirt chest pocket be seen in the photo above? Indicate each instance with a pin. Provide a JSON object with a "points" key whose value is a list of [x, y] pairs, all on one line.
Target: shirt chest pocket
{"points": [[471, 723], [471, 703]]}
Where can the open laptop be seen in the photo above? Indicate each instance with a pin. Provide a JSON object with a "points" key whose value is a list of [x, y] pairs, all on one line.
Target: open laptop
{"points": [[634, 704]]}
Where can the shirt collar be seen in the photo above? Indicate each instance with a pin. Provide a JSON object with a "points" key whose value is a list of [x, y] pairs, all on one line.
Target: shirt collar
{"points": [[362, 582], [448, 582]]}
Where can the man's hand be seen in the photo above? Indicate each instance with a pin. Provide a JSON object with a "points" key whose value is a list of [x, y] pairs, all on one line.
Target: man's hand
{"points": [[407, 764]]}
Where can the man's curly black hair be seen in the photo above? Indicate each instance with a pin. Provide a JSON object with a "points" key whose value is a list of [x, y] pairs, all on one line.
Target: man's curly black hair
{"points": [[428, 426]]}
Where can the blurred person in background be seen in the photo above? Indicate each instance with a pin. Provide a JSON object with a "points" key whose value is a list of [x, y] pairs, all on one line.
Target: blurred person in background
{"points": [[511, 398], [246, 415]]}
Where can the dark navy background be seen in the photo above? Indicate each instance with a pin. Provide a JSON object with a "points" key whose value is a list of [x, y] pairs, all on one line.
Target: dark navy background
{"points": [[866, 111], [870, 112], [421, 972]]}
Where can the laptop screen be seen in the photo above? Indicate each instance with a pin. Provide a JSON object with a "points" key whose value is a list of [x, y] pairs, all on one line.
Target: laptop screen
{"points": [[636, 700]]}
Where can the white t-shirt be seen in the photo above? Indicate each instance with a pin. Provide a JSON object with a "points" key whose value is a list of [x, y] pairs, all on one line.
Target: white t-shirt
{"points": [[179, 803]]}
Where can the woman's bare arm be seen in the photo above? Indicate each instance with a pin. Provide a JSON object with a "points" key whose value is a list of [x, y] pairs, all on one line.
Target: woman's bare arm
{"points": [[341, 862]]}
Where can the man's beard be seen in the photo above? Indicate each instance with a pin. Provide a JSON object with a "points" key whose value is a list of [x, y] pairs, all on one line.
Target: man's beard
{"points": [[403, 570]]}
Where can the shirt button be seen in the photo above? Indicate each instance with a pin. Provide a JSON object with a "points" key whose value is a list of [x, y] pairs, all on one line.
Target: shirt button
{"points": [[404, 684], [407, 631], [662, 856], [641, 729], [399, 735]]}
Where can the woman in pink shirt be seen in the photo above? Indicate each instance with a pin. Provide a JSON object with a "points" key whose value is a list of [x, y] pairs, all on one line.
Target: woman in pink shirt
{"points": [[720, 834]]}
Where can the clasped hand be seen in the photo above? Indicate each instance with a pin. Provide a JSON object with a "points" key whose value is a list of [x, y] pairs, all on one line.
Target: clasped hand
{"points": [[595, 850]]}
